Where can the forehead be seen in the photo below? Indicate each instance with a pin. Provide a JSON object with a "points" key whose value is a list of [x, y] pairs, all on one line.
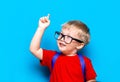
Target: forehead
{"points": [[71, 31]]}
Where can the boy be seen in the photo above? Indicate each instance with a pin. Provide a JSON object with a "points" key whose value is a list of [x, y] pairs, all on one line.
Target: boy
{"points": [[67, 68]]}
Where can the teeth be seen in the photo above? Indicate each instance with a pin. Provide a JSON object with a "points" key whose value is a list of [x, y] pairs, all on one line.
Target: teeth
{"points": [[62, 44]]}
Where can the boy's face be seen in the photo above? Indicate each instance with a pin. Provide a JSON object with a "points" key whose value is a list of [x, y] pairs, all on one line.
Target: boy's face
{"points": [[72, 47]]}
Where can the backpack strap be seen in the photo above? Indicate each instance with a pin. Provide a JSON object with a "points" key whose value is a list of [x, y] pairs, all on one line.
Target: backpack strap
{"points": [[82, 62], [54, 58]]}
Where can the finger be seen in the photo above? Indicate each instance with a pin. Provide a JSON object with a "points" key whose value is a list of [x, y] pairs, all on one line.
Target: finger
{"points": [[46, 19], [42, 19], [48, 16]]}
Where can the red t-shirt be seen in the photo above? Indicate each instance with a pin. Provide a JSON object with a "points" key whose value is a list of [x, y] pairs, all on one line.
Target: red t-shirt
{"points": [[67, 68]]}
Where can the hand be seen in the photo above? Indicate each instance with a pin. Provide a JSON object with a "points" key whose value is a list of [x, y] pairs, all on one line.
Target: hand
{"points": [[44, 22]]}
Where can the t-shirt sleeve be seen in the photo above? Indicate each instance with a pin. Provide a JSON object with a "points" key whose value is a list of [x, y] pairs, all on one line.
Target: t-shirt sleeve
{"points": [[90, 72], [47, 57]]}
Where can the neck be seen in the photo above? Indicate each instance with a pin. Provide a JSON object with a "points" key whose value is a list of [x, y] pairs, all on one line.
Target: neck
{"points": [[72, 53]]}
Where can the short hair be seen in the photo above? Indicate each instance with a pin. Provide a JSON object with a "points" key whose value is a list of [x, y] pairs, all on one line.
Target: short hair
{"points": [[83, 30]]}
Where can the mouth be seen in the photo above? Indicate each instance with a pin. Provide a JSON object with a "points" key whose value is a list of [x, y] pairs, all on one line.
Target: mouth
{"points": [[62, 44]]}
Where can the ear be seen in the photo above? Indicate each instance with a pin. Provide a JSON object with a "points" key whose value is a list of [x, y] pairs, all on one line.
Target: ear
{"points": [[80, 46]]}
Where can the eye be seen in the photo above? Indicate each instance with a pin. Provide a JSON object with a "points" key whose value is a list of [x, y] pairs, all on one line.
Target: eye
{"points": [[60, 36], [68, 38]]}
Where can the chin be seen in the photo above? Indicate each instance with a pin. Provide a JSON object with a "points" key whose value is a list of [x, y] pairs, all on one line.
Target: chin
{"points": [[61, 49]]}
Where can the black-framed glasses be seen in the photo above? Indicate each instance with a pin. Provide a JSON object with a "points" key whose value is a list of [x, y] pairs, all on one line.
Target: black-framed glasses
{"points": [[68, 39]]}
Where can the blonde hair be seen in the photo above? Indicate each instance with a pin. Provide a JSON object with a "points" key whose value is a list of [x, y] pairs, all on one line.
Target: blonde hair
{"points": [[83, 30]]}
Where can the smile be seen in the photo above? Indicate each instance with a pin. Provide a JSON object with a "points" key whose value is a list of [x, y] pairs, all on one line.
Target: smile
{"points": [[61, 44]]}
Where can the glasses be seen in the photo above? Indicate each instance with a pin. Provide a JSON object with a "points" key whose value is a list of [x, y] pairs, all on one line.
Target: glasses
{"points": [[68, 39]]}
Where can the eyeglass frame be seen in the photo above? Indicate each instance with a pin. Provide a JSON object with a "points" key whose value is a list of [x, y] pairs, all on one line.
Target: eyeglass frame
{"points": [[63, 36]]}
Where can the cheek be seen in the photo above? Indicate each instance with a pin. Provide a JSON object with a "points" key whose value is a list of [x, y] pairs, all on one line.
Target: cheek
{"points": [[57, 42], [71, 46]]}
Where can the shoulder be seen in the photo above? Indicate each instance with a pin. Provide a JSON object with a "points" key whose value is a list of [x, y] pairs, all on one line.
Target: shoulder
{"points": [[49, 52], [86, 59], [47, 56]]}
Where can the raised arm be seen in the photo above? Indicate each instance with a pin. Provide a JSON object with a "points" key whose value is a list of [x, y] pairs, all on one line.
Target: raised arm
{"points": [[35, 47]]}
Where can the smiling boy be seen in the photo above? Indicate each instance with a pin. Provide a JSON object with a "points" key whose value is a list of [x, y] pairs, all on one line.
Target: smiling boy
{"points": [[72, 38]]}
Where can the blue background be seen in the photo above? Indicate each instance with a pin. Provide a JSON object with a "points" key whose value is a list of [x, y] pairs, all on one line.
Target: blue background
{"points": [[19, 21]]}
